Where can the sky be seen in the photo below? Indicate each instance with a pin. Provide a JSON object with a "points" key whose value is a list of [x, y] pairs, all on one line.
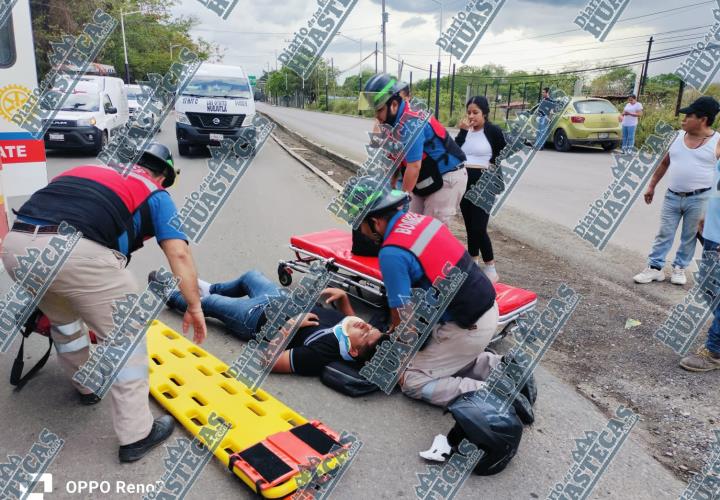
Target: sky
{"points": [[526, 35]]}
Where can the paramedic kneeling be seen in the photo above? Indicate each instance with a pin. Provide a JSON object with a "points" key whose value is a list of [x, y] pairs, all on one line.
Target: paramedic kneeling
{"points": [[115, 215], [414, 250]]}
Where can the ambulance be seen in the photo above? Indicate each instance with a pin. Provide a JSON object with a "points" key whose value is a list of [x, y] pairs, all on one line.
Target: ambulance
{"points": [[22, 159]]}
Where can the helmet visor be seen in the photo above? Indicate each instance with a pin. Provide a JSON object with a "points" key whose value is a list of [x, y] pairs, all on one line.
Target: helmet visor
{"points": [[376, 100]]}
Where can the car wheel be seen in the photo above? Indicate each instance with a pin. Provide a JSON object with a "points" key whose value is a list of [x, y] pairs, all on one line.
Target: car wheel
{"points": [[610, 145], [103, 142], [183, 149], [561, 142]]}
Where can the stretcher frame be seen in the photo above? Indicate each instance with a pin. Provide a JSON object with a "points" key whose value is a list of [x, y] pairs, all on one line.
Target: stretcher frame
{"points": [[356, 282]]}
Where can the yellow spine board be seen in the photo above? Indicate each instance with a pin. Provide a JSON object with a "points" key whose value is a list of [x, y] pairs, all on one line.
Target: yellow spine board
{"points": [[191, 383]]}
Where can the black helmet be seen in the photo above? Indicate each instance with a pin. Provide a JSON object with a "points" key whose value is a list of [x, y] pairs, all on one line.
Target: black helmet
{"points": [[158, 159], [496, 434], [378, 90]]}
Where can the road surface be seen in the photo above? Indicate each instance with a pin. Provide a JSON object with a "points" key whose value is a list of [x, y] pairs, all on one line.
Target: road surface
{"points": [[277, 198]]}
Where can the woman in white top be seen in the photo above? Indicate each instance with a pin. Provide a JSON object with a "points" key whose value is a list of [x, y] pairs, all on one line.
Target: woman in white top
{"points": [[690, 166], [481, 141], [631, 113]]}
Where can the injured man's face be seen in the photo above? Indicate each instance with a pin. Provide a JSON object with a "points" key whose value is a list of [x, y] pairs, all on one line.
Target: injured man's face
{"points": [[362, 335]]}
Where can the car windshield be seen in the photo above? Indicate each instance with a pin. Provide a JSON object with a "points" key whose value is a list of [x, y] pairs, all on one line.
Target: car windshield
{"points": [[211, 86], [81, 102], [594, 107]]}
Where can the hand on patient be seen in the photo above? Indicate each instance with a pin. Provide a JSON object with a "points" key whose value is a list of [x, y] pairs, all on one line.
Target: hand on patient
{"points": [[339, 298], [309, 319]]}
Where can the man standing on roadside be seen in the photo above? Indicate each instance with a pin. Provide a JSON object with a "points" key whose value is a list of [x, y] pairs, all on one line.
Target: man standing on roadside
{"points": [[543, 121], [707, 357], [630, 117], [690, 164]]}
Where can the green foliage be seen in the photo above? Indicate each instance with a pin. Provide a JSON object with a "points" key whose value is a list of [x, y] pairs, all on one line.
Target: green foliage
{"points": [[149, 34]]}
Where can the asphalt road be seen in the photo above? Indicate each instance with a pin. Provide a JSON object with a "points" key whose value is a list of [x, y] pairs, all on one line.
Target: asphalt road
{"points": [[556, 187], [276, 198]]}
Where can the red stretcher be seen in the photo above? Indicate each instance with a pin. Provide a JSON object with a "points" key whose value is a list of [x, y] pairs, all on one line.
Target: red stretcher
{"points": [[361, 277]]}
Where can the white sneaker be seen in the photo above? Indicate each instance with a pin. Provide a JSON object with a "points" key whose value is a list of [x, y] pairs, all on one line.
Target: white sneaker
{"points": [[649, 275], [439, 451], [678, 276], [491, 273]]}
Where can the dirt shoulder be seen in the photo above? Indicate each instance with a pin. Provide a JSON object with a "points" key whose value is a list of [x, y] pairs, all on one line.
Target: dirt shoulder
{"points": [[604, 361]]}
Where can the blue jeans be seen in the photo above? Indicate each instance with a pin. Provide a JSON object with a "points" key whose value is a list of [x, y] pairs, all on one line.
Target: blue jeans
{"points": [[690, 209], [713, 341], [238, 304], [628, 136], [542, 126]]}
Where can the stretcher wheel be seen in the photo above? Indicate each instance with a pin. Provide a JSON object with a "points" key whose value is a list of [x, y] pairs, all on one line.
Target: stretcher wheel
{"points": [[284, 276]]}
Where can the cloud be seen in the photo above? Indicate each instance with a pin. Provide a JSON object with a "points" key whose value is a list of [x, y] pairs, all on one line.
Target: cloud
{"points": [[412, 22]]}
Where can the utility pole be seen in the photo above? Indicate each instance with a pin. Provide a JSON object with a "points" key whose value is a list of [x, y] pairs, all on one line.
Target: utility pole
{"points": [[376, 55], [122, 28], [437, 92], [384, 39], [647, 63]]}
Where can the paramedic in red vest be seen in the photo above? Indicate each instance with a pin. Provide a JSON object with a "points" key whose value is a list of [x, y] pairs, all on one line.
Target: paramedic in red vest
{"points": [[115, 215], [414, 250], [433, 168]]}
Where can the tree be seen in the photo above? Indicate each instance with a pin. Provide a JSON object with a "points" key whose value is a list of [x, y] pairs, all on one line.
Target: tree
{"points": [[149, 35]]}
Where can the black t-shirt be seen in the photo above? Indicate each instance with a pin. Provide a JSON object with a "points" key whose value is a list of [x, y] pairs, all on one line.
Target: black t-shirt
{"points": [[313, 347]]}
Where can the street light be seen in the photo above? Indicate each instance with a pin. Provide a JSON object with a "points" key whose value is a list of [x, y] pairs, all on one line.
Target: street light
{"points": [[174, 45], [437, 80], [122, 27]]}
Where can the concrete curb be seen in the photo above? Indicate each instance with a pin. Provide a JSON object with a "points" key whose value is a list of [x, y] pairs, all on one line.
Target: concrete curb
{"points": [[342, 160], [308, 165]]}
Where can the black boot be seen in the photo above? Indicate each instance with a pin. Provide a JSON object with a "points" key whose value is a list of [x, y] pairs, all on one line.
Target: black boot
{"points": [[161, 430], [89, 399]]}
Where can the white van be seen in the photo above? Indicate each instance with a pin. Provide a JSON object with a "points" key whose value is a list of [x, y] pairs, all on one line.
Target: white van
{"points": [[137, 97], [216, 104], [96, 109]]}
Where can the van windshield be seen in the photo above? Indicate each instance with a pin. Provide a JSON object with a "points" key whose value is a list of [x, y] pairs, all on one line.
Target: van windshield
{"points": [[212, 86], [135, 94], [81, 102]]}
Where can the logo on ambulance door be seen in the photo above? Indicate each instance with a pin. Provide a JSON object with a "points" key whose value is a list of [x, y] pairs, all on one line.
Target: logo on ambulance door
{"points": [[12, 98]]}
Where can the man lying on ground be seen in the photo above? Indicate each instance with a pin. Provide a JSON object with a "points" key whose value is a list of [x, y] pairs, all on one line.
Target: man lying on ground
{"points": [[325, 335]]}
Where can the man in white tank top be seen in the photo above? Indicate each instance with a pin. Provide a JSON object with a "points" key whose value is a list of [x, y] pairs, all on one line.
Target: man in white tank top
{"points": [[690, 166]]}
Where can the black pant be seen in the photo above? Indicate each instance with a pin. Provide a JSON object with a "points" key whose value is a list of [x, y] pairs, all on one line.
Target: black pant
{"points": [[476, 222]]}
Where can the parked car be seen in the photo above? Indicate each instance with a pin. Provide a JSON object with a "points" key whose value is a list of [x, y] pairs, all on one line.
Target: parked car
{"points": [[90, 116], [216, 104], [586, 121]]}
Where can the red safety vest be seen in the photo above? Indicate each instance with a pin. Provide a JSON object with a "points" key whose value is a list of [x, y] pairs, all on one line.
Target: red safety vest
{"points": [[432, 243], [430, 179], [101, 203], [133, 190], [429, 240]]}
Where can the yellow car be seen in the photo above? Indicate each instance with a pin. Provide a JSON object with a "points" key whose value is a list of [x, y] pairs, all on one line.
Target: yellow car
{"points": [[587, 121]]}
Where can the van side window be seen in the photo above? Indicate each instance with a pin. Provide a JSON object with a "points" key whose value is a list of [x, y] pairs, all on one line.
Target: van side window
{"points": [[107, 103], [7, 44]]}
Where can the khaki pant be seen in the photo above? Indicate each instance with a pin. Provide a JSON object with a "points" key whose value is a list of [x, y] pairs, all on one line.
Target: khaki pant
{"points": [[442, 204], [84, 290], [454, 361]]}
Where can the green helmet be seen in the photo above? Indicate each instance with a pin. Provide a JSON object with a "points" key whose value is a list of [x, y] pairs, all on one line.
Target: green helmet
{"points": [[375, 201], [378, 90]]}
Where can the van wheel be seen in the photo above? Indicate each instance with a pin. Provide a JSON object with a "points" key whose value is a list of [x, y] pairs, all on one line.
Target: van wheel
{"points": [[103, 142], [561, 142], [183, 149]]}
